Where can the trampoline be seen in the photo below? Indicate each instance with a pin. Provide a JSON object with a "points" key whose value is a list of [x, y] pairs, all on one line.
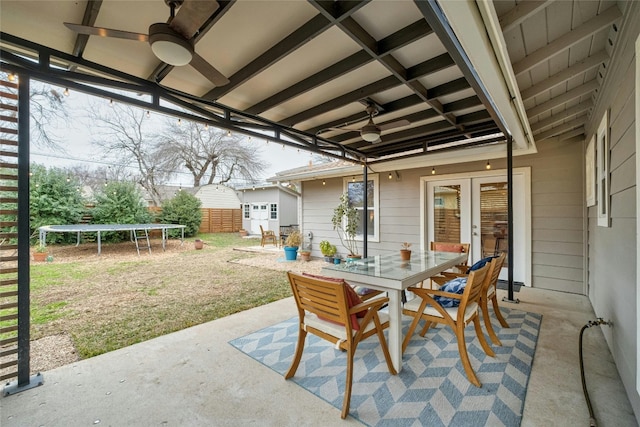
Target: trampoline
{"points": [[99, 228]]}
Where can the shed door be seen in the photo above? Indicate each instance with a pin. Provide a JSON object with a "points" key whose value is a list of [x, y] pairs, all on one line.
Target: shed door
{"points": [[259, 217]]}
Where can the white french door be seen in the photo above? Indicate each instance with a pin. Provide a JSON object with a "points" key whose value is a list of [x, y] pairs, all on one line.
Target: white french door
{"points": [[473, 208]]}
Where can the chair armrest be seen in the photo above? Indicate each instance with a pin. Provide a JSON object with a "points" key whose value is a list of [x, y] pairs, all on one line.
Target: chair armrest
{"points": [[374, 303], [433, 292]]}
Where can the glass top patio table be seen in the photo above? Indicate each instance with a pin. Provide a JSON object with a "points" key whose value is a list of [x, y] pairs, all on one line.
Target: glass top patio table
{"points": [[389, 271], [390, 274]]}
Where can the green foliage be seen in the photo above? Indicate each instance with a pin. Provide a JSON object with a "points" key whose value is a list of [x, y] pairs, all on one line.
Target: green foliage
{"points": [[120, 203], [183, 209], [54, 198], [327, 248], [345, 220]]}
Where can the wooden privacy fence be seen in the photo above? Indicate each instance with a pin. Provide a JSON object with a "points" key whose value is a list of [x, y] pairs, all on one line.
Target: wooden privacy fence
{"points": [[220, 220]]}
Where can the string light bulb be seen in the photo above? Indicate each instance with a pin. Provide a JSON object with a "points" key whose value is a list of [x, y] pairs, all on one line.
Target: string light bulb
{"points": [[433, 171], [488, 166], [66, 91], [390, 176], [111, 103], [206, 126], [148, 114], [228, 132], [179, 122], [12, 77]]}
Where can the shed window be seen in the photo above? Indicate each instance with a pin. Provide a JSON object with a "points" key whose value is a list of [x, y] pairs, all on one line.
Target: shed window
{"points": [[273, 211], [247, 211]]}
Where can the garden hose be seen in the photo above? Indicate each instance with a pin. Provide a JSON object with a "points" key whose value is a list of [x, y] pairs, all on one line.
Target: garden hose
{"points": [[598, 321]]}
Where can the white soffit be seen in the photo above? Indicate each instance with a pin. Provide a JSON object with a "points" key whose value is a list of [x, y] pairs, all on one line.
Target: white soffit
{"points": [[469, 27]]}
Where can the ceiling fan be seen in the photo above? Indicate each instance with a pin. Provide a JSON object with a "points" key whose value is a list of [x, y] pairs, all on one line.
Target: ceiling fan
{"points": [[172, 42], [371, 131]]}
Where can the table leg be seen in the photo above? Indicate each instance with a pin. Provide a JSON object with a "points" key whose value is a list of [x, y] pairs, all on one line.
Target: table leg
{"points": [[395, 328], [99, 247]]}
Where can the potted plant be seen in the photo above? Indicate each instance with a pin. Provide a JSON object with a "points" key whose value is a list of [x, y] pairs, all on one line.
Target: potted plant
{"points": [[305, 255], [328, 250], [198, 243], [243, 232], [291, 244], [345, 221], [40, 253], [405, 251]]}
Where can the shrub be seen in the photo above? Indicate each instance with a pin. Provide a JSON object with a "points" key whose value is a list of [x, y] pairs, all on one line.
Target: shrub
{"points": [[54, 199], [120, 203], [182, 209]]}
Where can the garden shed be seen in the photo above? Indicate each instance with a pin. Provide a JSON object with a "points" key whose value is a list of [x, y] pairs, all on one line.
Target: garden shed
{"points": [[268, 205]]}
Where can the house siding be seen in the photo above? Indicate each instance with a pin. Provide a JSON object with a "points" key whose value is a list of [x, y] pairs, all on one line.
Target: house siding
{"points": [[612, 269], [557, 212]]}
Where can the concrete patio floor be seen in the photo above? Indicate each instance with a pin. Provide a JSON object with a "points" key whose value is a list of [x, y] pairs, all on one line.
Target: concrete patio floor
{"points": [[195, 378]]}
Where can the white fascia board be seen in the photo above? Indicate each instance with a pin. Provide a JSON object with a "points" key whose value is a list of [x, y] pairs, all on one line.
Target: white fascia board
{"points": [[473, 34]]}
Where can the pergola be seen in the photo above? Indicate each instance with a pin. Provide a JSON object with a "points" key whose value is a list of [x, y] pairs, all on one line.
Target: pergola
{"points": [[437, 80]]}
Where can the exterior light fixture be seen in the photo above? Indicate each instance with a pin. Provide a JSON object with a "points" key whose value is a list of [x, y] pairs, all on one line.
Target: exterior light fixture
{"points": [[169, 46]]}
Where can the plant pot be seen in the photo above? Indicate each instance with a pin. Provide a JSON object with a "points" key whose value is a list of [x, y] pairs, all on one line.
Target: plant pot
{"points": [[40, 256], [199, 244], [328, 259], [290, 253], [305, 256], [243, 233], [337, 261], [405, 254], [353, 257]]}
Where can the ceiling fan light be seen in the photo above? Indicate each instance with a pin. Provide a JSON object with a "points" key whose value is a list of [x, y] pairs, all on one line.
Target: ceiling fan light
{"points": [[370, 136], [169, 46]]}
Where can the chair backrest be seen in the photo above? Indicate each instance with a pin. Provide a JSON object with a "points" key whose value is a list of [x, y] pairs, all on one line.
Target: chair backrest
{"points": [[457, 247], [473, 289], [326, 299], [493, 274]]}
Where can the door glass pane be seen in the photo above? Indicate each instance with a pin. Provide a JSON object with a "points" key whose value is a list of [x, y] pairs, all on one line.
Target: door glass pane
{"points": [[446, 213], [493, 218]]}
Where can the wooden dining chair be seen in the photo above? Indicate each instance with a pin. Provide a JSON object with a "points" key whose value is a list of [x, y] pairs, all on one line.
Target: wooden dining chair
{"points": [[331, 310], [462, 248], [427, 306], [268, 236], [489, 293]]}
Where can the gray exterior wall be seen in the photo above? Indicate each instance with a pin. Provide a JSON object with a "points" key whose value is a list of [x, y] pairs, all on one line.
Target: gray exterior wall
{"points": [[612, 272], [557, 211]]}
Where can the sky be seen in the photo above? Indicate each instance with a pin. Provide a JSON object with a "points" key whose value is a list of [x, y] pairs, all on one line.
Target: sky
{"points": [[75, 137]]}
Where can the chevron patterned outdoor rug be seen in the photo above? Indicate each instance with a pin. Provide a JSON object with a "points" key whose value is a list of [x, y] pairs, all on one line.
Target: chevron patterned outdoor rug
{"points": [[432, 388]]}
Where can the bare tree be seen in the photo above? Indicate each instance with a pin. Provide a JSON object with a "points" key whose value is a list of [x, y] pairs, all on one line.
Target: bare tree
{"points": [[96, 178], [48, 110], [211, 155], [126, 133]]}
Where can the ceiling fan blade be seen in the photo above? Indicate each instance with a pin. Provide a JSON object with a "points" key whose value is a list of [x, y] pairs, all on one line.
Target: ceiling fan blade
{"points": [[345, 129], [396, 124], [191, 15], [208, 70], [106, 32]]}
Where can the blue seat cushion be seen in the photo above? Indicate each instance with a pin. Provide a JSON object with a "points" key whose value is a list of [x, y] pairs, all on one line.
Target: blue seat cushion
{"points": [[454, 286], [479, 264]]}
